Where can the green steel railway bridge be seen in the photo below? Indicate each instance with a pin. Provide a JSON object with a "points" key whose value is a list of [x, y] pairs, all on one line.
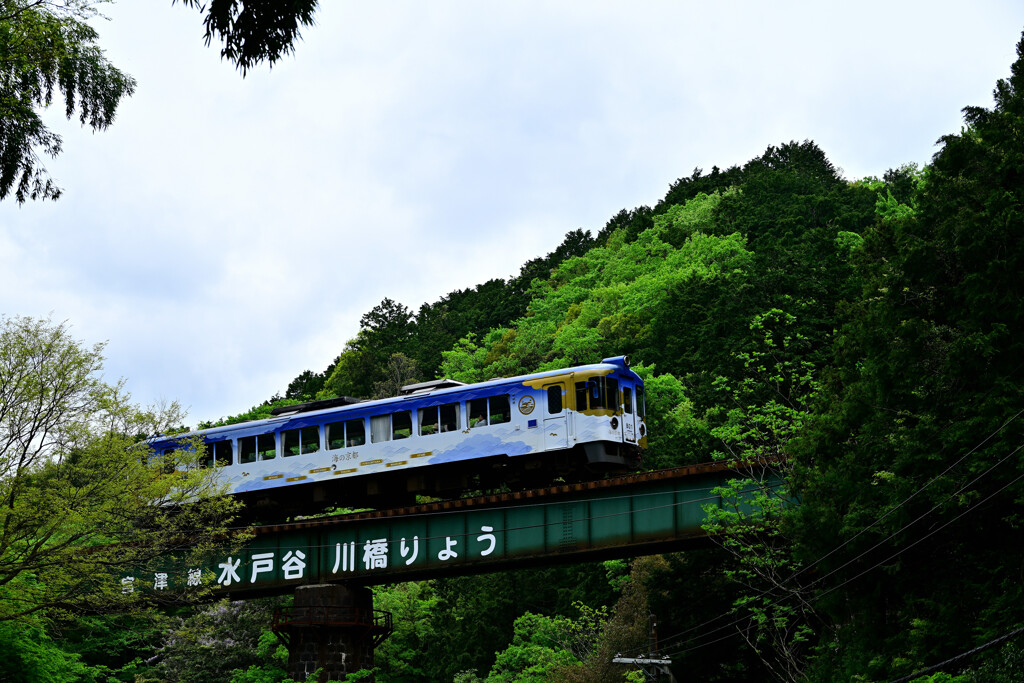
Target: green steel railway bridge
{"points": [[329, 563]]}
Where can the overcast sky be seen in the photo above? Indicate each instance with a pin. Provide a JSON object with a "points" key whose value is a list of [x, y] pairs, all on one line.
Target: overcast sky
{"points": [[226, 234]]}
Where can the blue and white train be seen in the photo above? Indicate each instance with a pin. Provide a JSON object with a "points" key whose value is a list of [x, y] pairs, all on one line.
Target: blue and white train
{"points": [[438, 438]]}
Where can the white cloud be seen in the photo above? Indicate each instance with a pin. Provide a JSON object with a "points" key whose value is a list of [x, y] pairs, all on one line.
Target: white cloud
{"points": [[227, 233]]}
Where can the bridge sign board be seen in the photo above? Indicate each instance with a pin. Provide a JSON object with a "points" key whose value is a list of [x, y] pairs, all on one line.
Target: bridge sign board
{"points": [[627, 516]]}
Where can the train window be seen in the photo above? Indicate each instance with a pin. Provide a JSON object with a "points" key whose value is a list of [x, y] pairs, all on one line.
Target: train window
{"points": [[218, 454], [554, 399], [428, 421], [449, 417], [641, 409], [598, 397], [310, 440], [335, 435], [355, 432], [437, 419], [380, 428], [168, 460], [485, 411], [290, 442], [247, 449], [477, 411], [401, 425], [266, 447], [627, 399], [304, 440], [500, 412], [600, 392], [222, 453], [581, 395]]}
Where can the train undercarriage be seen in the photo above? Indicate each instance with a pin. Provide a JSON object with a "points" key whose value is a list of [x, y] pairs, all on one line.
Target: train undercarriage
{"points": [[494, 474]]}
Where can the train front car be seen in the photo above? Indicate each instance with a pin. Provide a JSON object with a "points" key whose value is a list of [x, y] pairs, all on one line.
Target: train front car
{"points": [[438, 439], [595, 411]]}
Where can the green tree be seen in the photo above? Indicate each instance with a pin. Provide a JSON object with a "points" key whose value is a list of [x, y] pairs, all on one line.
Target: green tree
{"points": [[352, 373], [576, 243], [602, 303], [386, 330], [83, 502], [677, 435], [472, 617], [632, 222], [45, 48], [30, 655], [399, 371], [112, 647], [465, 361], [254, 31], [686, 188], [381, 355], [534, 654], [796, 215], [598, 635], [913, 462], [402, 656], [470, 311], [306, 386], [215, 641], [764, 411]]}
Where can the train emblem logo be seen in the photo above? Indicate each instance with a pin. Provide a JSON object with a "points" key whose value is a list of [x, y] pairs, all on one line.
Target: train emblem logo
{"points": [[527, 404]]}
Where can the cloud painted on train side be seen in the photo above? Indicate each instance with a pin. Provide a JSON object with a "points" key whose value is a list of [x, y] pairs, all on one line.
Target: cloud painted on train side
{"points": [[467, 449], [475, 445]]}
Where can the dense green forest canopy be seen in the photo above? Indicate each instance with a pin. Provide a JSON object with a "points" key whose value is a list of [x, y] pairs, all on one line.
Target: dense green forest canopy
{"points": [[863, 337]]}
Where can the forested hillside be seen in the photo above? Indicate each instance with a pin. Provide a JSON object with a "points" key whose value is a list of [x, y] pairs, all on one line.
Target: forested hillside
{"points": [[865, 337]]}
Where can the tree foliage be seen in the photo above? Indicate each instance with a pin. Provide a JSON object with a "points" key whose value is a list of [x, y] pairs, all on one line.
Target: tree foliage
{"points": [[215, 641], [254, 31], [913, 462], [83, 501], [30, 655], [48, 48]]}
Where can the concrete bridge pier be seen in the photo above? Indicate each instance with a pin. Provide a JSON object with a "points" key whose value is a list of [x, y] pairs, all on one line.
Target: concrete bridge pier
{"points": [[331, 627]]}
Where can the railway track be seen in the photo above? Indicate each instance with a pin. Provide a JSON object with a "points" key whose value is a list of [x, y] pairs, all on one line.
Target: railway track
{"points": [[545, 494]]}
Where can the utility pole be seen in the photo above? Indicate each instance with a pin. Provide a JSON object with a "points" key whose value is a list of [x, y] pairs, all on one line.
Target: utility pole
{"points": [[652, 664]]}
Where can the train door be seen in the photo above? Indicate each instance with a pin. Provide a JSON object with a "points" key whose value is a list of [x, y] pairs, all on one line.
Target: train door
{"points": [[556, 432], [628, 413]]}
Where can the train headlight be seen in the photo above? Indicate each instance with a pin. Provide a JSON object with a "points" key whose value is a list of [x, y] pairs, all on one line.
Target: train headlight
{"points": [[615, 423], [643, 430]]}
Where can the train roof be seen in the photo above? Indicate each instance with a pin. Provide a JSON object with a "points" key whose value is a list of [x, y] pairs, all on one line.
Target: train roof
{"points": [[349, 404]]}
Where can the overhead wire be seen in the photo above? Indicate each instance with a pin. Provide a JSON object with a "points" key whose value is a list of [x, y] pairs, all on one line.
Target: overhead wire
{"points": [[865, 529], [963, 655], [881, 562], [872, 567]]}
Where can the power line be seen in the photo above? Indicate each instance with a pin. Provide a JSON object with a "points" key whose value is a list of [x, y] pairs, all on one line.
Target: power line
{"points": [[865, 529], [963, 655], [909, 498], [874, 566]]}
